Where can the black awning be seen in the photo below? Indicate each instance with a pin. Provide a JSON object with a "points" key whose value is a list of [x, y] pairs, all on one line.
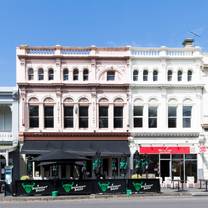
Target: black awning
{"points": [[85, 148]]}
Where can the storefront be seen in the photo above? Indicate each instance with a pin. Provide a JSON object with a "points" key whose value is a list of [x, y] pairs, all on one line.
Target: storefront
{"points": [[165, 161]]}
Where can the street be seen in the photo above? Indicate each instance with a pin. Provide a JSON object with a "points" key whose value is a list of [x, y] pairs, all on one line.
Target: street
{"points": [[141, 202]]}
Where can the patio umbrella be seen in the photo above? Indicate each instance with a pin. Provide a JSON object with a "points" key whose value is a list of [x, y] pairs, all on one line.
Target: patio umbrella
{"points": [[59, 155]]}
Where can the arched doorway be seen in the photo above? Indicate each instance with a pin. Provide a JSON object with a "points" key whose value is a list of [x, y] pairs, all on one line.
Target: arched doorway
{"points": [[2, 167]]}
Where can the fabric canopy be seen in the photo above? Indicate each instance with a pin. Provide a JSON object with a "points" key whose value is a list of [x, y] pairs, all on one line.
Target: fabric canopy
{"points": [[85, 148]]}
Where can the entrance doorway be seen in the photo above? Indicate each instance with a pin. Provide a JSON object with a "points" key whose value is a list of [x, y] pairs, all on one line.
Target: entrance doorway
{"points": [[164, 168], [2, 167]]}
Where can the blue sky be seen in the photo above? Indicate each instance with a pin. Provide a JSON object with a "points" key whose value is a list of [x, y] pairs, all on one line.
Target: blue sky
{"points": [[147, 23]]}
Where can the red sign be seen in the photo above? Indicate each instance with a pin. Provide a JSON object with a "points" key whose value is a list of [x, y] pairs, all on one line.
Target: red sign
{"points": [[203, 149], [164, 150]]}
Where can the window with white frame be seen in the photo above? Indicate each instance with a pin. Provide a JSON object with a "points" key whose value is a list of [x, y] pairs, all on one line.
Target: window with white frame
{"points": [[30, 74], [66, 74], [180, 74], [110, 75], [50, 74], [118, 116], [170, 75], [40, 74], [103, 116], [83, 116], [152, 116], [172, 116], [48, 116], [155, 75], [85, 74], [187, 112], [68, 116], [145, 75], [138, 116], [189, 75], [75, 74], [135, 75], [33, 116]]}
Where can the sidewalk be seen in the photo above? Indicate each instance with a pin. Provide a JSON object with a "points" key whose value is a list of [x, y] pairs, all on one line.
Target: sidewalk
{"points": [[165, 192]]}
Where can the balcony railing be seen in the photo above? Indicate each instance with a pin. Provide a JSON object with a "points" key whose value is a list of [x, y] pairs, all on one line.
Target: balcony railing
{"points": [[8, 138]]}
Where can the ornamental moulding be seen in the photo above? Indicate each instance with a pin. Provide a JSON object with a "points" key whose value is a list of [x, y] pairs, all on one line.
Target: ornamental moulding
{"points": [[166, 134]]}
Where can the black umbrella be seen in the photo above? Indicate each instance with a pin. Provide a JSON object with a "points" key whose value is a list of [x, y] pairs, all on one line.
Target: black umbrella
{"points": [[57, 155]]}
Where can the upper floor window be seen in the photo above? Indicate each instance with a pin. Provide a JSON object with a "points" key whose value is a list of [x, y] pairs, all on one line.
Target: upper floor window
{"points": [[83, 117], [145, 75], [155, 75], [40, 74], [110, 75], [189, 75], [48, 116], [50, 74], [66, 74], [30, 74], [5, 118], [170, 75], [152, 117], [135, 75], [68, 117], [180, 73], [138, 116], [103, 116], [172, 116], [33, 116], [118, 116], [85, 74], [187, 116], [76, 74]]}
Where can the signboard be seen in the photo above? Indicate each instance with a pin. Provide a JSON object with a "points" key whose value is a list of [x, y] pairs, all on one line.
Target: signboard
{"points": [[68, 187], [34, 187], [203, 149], [144, 185], [165, 150], [8, 174], [110, 186]]}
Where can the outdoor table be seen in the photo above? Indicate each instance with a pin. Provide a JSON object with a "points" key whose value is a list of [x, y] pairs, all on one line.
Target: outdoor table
{"points": [[179, 181], [206, 183]]}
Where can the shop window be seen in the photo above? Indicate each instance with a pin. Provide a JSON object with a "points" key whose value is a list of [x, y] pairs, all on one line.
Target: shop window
{"points": [[187, 116], [145, 75], [170, 75], [118, 116], [110, 75], [83, 116], [33, 116], [172, 116], [50, 74], [66, 74], [180, 73], [40, 74], [75, 75], [103, 116], [85, 74], [30, 74], [135, 75], [155, 75], [138, 116], [48, 117], [68, 117], [152, 116], [189, 76]]}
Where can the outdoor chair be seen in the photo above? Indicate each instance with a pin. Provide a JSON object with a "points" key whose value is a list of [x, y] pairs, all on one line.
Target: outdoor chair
{"points": [[167, 183], [190, 182], [176, 183]]}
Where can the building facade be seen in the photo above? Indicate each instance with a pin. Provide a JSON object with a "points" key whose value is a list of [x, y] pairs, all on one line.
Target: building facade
{"points": [[73, 100], [9, 152], [166, 110]]}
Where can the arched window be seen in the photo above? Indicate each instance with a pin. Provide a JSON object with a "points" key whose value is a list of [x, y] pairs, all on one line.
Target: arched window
{"points": [[118, 113], [33, 112], [103, 113], [170, 75], [66, 74], [155, 75], [68, 113], [50, 74], [48, 113], [40, 74], [83, 113], [180, 73], [30, 74], [135, 75], [189, 75], [138, 113], [85, 74], [145, 75], [75, 74]]}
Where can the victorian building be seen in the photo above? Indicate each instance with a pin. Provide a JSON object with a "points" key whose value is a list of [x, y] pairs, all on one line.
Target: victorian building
{"points": [[74, 100], [9, 155], [166, 110]]}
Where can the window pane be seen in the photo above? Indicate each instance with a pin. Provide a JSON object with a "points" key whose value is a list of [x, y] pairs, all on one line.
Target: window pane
{"points": [[118, 111], [138, 110], [68, 117], [103, 116], [110, 75], [135, 75], [186, 123], [152, 122], [169, 75], [191, 156], [138, 122], [50, 74], [171, 122], [152, 111], [118, 117], [83, 110], [85, 74], [40, 74], [48, 117], [187, 110], [145, 75], [172, 111], [33, 116], [75, 74], [66, 74], [155, 76], [83, 116]]}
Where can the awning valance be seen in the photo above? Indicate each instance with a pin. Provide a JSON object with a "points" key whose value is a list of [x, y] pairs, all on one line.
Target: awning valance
{"points": [[85, 148]]}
